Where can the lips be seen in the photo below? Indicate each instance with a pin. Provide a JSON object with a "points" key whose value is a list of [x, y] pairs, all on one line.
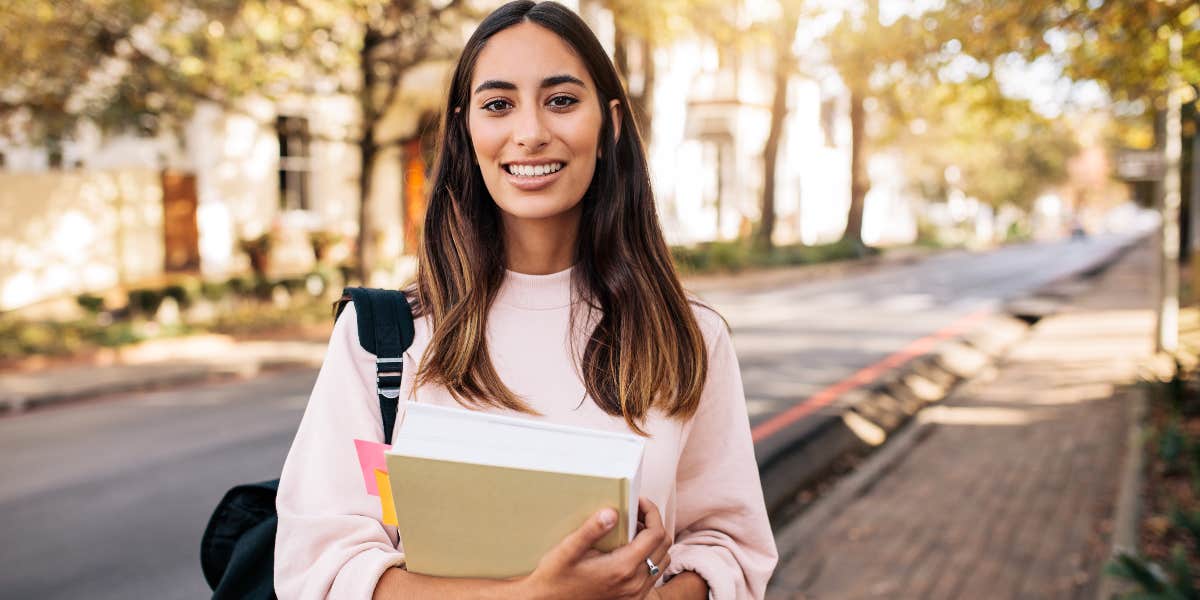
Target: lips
{"points": [[534, 169], [531, 177]]}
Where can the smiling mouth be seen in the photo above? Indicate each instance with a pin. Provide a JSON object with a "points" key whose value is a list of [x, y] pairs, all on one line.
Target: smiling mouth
{"points": [[533, 170]]}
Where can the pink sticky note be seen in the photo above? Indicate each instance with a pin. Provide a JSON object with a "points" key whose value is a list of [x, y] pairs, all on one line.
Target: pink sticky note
{"points": [[370, 459]]}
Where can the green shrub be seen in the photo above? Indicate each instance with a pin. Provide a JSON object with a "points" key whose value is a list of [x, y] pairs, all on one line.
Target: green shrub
{"points": [[736, 255], [1017, 232], [214, 290], [689, 259], [242, 285], [91, 303], [730, 256], [263, 288], [27, 338], [177, 293], [929, 235], [719, 256], [1171, 445], [347, 273], [186, 291], [1188, 522], [145, 301], [294, 285], [1175, 582], [117, 334]]}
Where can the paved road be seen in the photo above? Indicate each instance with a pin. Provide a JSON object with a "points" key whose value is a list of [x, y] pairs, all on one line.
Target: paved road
{"points": [[108, 499], [794, 341]]}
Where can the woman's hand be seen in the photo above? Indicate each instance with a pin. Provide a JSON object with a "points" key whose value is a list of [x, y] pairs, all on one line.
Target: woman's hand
{"points": [[572, 569]]}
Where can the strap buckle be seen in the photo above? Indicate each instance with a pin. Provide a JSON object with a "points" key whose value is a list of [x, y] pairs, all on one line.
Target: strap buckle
{"points": [[388, 372]]}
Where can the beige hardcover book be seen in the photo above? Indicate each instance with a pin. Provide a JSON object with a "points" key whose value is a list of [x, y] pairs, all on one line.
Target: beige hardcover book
{"points": [[481, 495]]}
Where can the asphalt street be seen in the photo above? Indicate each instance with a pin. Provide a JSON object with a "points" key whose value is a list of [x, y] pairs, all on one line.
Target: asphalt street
{"points": [[108, 498]]}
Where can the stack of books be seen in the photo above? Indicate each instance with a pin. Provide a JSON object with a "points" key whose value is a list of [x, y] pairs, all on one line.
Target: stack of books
{"points": [[483, 495]]}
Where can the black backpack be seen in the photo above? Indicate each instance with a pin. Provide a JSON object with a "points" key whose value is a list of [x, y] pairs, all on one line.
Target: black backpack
{"points": [[237, 552]]}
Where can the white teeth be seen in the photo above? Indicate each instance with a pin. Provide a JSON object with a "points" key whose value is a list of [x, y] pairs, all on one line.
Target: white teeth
{"points": [[534, 170]]}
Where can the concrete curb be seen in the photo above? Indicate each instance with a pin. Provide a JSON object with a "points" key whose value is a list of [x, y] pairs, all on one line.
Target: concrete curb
{"points": [[1129, 506], [791, 537], [865, 419]]}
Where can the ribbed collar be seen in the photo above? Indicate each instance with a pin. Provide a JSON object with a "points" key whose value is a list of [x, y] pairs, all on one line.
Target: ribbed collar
{"points": [[537, 292]]}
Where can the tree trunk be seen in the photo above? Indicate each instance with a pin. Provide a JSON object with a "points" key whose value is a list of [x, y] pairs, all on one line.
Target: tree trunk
{"points": [[620, 52], [367, 148], [860, 182], [642, 102], [1167, 315], [1190, 165], [766, 225]]}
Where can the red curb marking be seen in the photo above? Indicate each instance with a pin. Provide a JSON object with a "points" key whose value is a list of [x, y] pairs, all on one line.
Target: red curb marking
{"points": [[865, 376]]}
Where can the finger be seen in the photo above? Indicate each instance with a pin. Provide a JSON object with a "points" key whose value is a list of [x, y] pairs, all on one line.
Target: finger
{"points": [[578, 542], [662, 561], [648, 512], [644, 544], [648, 579], [661, 556], [662, 549]]}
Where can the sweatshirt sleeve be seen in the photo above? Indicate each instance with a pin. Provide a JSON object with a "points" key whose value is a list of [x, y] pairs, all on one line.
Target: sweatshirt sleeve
{"points": [[331, 542], [722, 532]]}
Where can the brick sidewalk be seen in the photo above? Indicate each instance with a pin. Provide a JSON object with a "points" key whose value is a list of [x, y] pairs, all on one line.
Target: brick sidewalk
{"points": [[1009, 491]]}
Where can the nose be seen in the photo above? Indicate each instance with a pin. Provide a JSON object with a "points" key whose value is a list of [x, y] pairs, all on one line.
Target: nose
{"points": [[529, 130]]}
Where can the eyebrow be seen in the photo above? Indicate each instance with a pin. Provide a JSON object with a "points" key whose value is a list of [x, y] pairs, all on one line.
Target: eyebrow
{"points": [[553, 80]]}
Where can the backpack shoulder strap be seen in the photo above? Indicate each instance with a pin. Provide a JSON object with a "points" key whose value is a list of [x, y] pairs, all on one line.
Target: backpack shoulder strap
{"points": [[385, 329]]}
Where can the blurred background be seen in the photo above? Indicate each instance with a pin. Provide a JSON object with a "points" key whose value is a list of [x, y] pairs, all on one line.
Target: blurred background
{"points": [[186, 185]]}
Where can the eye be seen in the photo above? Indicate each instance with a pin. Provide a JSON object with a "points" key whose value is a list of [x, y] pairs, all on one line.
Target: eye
{"points": [[497, 105], [561, 102]]}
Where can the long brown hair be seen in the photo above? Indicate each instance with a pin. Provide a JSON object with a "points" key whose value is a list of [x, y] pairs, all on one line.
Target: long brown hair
{"points": [[646, 349]]}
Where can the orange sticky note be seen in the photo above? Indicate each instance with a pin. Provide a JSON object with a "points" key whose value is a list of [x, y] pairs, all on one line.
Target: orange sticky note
{"points": [[385, 497]]}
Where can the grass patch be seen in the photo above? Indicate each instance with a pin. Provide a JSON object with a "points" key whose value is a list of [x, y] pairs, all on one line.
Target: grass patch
{"points": [[738, 255]]}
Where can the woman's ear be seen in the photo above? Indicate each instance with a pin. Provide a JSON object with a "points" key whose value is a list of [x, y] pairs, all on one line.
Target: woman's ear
{"points": [[616, 121]]}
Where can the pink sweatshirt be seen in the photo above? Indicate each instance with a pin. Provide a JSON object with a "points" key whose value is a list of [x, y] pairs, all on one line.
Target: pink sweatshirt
{"points": [[701, 473]]}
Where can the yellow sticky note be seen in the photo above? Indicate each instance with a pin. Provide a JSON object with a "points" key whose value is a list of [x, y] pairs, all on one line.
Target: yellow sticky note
{"points": [[385, 497]]}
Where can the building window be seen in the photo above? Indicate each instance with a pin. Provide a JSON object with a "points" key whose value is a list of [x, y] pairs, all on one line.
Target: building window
{"points": [[294, 163]]}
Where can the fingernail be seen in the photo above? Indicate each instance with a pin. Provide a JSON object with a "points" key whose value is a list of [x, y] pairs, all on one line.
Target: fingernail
{"points": [[608, 517]]}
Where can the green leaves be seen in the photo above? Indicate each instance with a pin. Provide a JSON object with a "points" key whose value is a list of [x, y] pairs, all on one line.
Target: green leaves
{"points": [[1175, 582], [1122, 45], [143, 65], [1147, 575]]}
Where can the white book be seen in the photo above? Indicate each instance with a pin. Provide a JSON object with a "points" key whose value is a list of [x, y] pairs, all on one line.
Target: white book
{"points": [[484, 495]]}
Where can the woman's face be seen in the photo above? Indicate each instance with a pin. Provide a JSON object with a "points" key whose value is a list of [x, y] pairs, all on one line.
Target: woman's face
{"points": [[534, 119]]}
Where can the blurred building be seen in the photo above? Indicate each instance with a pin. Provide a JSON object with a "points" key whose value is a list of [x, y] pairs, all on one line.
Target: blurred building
{"points": [[708, 144], [121, 209]]}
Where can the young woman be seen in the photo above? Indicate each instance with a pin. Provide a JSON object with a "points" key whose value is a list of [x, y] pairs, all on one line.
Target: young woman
{"points": [[545, 289]]}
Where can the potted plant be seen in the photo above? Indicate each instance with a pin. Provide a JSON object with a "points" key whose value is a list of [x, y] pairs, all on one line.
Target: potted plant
{"points": [[322, 241], [258, 249]]}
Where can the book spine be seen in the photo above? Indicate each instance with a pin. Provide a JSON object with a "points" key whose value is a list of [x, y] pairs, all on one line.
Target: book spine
{"points": [[627, 523]]}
